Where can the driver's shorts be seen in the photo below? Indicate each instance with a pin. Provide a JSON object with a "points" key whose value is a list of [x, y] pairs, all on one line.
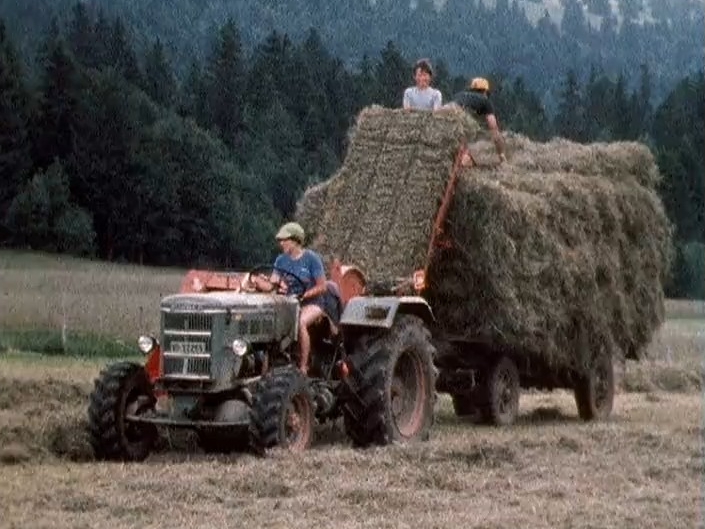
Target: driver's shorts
{"points": [[329, 302]]}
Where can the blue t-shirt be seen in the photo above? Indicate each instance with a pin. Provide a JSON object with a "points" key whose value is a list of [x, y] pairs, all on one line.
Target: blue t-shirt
{"points": [[308, 267]]}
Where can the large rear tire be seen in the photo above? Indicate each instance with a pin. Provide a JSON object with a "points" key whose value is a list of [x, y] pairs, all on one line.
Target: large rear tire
{"points": [[594, 392], [282, 413], [396, 381], [121, 389]]}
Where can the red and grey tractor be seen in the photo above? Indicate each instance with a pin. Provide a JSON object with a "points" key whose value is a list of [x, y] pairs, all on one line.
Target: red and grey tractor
{"points": [[224, 365]]}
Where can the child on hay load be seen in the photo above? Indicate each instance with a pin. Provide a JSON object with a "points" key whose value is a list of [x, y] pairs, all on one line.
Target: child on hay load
{"points": [[476, 101], [422, 96]]}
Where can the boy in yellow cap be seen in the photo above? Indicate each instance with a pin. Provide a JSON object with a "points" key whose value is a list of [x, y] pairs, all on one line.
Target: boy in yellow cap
{"points": [[476, 101]]}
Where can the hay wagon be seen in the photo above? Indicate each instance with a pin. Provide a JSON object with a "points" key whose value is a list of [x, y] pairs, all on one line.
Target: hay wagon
{"points": [[538, 274], [483, 378]]}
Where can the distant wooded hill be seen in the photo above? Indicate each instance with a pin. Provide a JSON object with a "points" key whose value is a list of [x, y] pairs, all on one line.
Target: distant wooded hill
{"points": [[536, 39]]}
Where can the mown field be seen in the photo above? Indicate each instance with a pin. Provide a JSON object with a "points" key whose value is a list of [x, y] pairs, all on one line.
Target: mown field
{"points": [[47, 292], [643, 468]]}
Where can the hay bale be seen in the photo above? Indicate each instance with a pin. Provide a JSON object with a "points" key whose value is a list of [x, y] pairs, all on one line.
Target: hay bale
{"points": [[309, 209], [387, 190], [617, 160], [554, 265], [560, 254]]}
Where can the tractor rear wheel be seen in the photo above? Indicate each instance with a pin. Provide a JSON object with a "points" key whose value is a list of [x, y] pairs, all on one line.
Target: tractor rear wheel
{"points": [[396, 385], [122, 389], [282, 412], [594, 392]]}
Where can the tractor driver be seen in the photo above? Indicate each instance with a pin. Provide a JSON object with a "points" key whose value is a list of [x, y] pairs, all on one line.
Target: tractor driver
{"points": [[306, 265]]}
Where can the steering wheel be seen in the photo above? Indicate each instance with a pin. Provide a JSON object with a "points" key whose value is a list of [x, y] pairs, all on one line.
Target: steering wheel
{"points": [[300, 281]]}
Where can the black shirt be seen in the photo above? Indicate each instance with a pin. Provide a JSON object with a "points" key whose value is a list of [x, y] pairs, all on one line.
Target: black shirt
{"points": [[475, 102]]}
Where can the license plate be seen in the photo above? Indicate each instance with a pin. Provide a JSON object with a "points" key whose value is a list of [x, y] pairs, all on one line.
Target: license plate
{"points": [[188, 348]]}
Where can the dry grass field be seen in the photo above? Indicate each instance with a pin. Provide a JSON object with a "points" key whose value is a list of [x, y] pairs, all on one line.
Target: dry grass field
{"points": [[641, 469], [48, 291]]}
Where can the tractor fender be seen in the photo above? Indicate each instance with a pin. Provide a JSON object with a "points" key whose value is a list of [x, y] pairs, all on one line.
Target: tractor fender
{"points": [[380, 312]]}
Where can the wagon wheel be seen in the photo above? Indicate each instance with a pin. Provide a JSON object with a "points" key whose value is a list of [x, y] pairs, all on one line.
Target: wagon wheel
{"points": [[594, 391], [501, 393]]}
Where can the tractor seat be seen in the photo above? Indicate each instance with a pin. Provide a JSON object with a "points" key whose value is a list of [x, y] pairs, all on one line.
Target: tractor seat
{"points": [[333, 310]]}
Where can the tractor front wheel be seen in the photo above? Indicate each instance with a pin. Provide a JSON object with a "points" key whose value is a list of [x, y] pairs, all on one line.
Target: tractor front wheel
{"points": [[282, 412], [121, 389]]}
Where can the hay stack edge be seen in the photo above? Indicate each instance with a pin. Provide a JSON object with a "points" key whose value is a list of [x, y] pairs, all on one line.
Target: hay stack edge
{"points": [[560, 254]]}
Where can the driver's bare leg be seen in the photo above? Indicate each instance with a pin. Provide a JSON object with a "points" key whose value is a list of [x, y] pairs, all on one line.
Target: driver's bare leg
{"points": [[308, 315]]}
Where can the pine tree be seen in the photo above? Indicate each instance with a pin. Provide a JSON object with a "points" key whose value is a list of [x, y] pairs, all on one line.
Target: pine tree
{"points": [[159, 80], [224, 84], [54, 125], [81, 38], [598, 93], [620, 110], [679, 134], [122, 55], [14, 142], [365, 84], [642, 109], [43, 217], [192, 96], [393, 74], [569, 121]]}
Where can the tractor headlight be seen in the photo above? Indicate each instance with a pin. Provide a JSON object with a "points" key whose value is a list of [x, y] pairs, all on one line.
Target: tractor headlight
{"points": [[240, 347], [146, 344]]}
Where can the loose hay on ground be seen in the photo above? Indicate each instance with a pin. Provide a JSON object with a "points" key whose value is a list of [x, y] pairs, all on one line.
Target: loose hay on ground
{"points": [[652, 376], [560, 253], [41, 419]]}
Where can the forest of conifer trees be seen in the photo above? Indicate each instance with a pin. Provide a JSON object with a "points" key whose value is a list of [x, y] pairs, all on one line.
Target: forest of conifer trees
{"points": [[107, 150]]}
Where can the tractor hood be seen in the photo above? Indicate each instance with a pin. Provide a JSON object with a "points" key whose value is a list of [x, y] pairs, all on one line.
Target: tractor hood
{"points": [[226, 301], [254, 317]]}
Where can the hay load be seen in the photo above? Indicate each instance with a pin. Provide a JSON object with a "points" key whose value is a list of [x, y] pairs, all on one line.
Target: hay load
{"points": [[557, 265], [616, 160], [375, 210], [550, 255]]}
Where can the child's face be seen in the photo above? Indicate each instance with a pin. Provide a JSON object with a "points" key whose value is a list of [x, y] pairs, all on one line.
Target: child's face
{"points": [[422, 78]]}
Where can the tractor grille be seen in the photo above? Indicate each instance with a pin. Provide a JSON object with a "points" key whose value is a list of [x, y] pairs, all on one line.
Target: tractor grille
{"points": [[188, 345], [186, 367], [255, 325], [185, 322]]}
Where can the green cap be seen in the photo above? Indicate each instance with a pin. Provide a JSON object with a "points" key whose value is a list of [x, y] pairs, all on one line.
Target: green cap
{"points": [[291, 230]]}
